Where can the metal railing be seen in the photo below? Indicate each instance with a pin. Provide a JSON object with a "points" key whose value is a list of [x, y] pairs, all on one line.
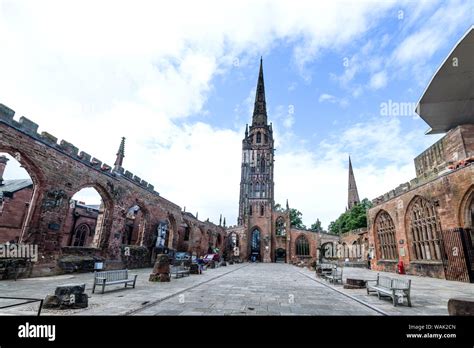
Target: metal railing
{"points": [[27, 300]]}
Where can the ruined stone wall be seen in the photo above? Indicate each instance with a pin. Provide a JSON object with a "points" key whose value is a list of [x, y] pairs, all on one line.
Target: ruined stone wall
{"points": [[13, 213], [58, 171], [450, 194], [358, 243], [77, 216], [281, 242], [456, 145], [312, 238]]}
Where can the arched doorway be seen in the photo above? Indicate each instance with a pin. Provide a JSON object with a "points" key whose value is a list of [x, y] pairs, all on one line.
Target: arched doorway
{"points": [[280, 255], [85, 217], [255, 245], [16, 197], [135, 226]]}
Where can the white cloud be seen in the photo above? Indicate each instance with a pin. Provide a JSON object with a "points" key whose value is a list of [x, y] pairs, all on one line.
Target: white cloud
{"points": [[378, 80], [91, 72], [327, 97], [324, 97]]}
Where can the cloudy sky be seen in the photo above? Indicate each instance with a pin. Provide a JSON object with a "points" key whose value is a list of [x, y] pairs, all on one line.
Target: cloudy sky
{"points": [[177, 79]]}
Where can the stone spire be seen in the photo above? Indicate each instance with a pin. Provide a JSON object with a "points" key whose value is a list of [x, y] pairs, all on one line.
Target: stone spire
{"points": [[260, 108], [353, 195], [120, 154]]}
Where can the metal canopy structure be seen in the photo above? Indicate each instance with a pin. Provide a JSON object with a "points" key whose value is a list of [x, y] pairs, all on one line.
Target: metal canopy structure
{"points": [[448, 101]]}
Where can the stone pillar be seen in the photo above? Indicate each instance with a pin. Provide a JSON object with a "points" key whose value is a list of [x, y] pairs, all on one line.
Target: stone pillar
{"points": [[267, 248], [161, 269], [3, 164]]}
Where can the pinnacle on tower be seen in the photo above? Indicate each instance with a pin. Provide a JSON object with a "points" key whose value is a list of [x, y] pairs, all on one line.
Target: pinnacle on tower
{"points": [[220, 220], [353, 194], [287, 205], [260, 108], [120, 154], [224, 222]]}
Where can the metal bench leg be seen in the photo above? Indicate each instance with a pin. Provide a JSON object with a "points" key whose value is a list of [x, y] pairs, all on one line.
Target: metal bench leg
{"points": [[103, 287], [409, 300], [134, 281], [93, 287]]}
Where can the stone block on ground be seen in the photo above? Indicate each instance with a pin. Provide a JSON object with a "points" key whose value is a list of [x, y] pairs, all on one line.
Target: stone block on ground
{"points": [[461, 306], [68, 296], [161, 269]]}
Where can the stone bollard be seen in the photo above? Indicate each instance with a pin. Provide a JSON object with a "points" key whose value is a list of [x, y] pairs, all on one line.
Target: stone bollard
{"points": [[461, 306], [69, 296], [161, 269]]}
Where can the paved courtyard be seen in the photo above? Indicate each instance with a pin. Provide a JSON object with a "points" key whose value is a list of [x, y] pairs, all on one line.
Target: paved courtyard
{"points": [[241, 289]]}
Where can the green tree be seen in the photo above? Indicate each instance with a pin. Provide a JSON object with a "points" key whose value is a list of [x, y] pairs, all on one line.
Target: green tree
{"points": [[351, 219], [279, 208], [316, 227], [296, 218]]}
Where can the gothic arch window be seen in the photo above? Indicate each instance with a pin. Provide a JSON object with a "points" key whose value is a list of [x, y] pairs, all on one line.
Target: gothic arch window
{"points": [[280, 227], [80, 235], [425, 230], [259, 137], [187, 232], [387, 242], [257, 189], [262, 165], [250, 210], [302, 246], [262, 210]]}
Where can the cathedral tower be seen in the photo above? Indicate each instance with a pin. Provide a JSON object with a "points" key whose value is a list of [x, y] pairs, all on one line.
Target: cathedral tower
{"points": [[256, 186]]}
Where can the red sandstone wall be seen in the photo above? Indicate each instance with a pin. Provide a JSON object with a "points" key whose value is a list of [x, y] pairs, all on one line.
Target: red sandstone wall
{"points": [[58, 172], [449, 192], [13, 213]]}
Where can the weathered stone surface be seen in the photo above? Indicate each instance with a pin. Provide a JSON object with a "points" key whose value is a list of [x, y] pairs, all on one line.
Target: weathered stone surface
{"points": [[58, 173], [352, 283], [67, 296], [461, 306], [161, 269], [51, 301]]}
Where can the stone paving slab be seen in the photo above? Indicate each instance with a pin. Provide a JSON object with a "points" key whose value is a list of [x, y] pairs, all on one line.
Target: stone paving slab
{"points": [[115, 301], [262, 289], [429, 296], [248, 289]]}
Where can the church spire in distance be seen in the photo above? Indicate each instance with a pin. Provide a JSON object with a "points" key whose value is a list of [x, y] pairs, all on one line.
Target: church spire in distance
{"points": [[353, 194], [260, 108], [120, 154]]}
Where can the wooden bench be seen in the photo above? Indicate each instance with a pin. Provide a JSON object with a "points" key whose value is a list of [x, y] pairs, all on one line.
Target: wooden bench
{"points": [[397, 289], [179, 271], [335, 276], [326, 269], [120, 276]]}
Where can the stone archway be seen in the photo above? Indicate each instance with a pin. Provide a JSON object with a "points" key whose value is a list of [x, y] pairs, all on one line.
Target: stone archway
{"points": [[31, 217], [100, 232], [255, 244]]}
